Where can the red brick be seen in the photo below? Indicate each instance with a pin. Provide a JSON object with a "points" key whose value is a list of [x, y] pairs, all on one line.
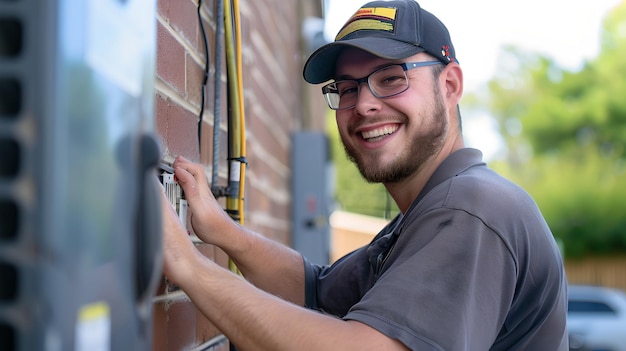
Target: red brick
{"points": [[193, 84], [170, 61], [174, 325], [177, 128]]}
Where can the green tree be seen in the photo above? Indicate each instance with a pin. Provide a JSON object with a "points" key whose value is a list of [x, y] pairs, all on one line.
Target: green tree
{"points": [[565, 133]]}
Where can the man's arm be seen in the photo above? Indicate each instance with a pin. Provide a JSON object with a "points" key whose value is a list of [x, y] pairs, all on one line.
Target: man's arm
{"points": [[251, 318], [268, 264]]}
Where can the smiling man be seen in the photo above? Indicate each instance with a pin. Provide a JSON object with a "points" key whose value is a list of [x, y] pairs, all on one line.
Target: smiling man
{"points": [[405, 134], [469, 264]]}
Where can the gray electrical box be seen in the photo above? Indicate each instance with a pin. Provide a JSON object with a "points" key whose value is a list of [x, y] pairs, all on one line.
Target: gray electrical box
{"points": [[80, 226], [312, 195]]}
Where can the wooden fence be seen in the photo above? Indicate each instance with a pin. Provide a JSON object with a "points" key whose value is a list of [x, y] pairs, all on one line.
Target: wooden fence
{"points": [[605, 271]]}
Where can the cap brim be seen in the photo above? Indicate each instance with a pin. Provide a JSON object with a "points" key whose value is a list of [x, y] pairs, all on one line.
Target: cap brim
{"points": [[320, 67]]}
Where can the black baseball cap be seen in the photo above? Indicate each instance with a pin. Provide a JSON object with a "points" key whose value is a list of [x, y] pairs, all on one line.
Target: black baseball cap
{"points": [[390, 29]]}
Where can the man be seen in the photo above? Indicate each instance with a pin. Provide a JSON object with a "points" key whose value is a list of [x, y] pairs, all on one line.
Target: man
{"points": [[470, 264]]}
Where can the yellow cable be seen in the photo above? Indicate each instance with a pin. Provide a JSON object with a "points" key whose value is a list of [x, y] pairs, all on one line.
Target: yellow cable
{"points": [[242, 115], [237, 134]]}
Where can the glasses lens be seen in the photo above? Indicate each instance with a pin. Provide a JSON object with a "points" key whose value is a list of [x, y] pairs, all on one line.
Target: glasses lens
{"points": [[332, 97], [389, 81], [341, 94]]}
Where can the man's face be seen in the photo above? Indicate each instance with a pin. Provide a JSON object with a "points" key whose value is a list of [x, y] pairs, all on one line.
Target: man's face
{"points": [[390, 139]]}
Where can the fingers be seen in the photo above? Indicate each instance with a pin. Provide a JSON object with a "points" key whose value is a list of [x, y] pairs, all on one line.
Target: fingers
{"points": [[191, 178], [202, 205]]}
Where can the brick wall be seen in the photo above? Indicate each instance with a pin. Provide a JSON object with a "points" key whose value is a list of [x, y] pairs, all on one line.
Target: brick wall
{"points": [[277, 102]]}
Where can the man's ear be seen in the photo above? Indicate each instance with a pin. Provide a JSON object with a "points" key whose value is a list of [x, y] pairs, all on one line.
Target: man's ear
{"points": [[452, 77]]}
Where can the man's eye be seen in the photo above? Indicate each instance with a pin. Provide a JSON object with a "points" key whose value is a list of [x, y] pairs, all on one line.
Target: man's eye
{"points": [[347, 91], [391, 80]]}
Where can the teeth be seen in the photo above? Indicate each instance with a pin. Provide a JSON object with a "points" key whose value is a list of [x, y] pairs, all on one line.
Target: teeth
{"points": [[379, 132]]}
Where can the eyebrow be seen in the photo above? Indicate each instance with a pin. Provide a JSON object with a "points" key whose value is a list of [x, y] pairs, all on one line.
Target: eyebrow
{"points": [[376, 68]]}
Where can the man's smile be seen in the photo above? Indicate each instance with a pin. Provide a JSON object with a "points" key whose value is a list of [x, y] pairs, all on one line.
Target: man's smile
{"points": [[379, 133]]}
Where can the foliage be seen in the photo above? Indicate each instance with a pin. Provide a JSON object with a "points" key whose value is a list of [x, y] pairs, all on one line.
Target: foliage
{"points": [[582, 198], [570, 150]]}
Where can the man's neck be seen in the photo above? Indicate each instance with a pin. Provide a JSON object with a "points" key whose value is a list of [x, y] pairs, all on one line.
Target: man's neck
{"points": [[407, 190]]}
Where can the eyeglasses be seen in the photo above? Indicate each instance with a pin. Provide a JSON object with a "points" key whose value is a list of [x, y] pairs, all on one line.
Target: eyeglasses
{"points": [[384, 82]]}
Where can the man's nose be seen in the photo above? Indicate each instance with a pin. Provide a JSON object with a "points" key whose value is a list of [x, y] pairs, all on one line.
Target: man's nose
{"points": [[366, 100]]}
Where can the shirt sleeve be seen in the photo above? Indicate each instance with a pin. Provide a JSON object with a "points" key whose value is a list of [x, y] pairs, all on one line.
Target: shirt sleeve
{"points": [[336, 288], [446, 271]]}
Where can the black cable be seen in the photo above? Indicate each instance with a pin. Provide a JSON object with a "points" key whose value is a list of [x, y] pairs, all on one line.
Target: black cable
{"points": [[204, 79]]}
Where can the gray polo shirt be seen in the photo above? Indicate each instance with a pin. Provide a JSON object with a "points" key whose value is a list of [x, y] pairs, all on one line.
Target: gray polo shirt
{"points": [[472, 265]]}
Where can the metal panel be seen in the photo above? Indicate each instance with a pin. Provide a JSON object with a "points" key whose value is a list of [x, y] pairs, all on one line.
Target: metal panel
{"points": [[312, 196], [82, 258]]}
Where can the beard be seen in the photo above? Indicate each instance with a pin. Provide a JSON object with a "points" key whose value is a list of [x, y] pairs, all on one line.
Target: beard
{"points": [[420, 149]]}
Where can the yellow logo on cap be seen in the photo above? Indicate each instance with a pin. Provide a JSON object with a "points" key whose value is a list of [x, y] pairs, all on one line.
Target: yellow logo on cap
{"points": [[373, 18]]}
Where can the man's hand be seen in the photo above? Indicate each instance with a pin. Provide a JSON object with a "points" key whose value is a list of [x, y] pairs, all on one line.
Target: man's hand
{"points": [[209, 221]]}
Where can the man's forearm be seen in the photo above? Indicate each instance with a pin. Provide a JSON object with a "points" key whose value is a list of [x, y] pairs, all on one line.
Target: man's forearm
{"points": [[255, 320], [269, 265]]}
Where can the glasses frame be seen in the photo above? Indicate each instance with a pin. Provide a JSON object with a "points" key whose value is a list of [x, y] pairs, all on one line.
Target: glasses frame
{"points": [[330, 89]]}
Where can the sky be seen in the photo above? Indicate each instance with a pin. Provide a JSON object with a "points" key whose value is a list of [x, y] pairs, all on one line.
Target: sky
{"points": [[568, 31]]}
